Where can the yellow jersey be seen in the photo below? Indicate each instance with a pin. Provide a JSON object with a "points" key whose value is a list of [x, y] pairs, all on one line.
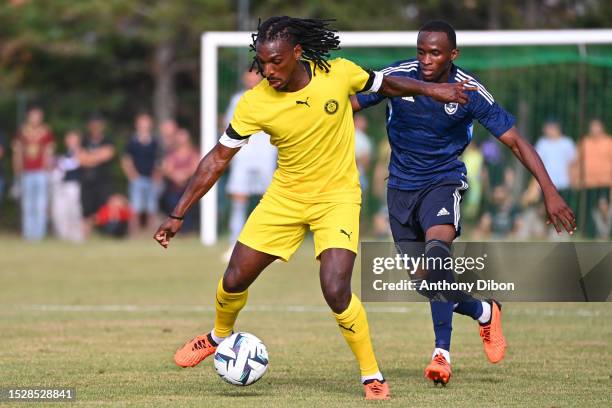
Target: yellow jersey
{"points": [[313, 130]]}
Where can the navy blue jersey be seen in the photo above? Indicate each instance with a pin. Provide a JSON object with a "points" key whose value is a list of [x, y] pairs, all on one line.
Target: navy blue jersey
{"points": [[426, 136]]}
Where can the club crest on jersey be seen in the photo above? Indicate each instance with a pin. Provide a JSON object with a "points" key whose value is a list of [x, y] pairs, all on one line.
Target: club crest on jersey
{"points": [[451, 108], [331, 106]]}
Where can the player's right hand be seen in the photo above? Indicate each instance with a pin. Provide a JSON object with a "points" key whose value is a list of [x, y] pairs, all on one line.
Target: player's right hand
{"points": [[560, 215], [451, 92], [167, 230]]}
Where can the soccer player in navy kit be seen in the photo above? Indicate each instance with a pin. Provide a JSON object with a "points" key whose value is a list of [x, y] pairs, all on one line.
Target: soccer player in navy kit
{"points": [[427, 180]]}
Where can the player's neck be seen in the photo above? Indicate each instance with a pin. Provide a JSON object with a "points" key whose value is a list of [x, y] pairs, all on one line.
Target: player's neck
{"points": [[300, 78], [444, 76]]}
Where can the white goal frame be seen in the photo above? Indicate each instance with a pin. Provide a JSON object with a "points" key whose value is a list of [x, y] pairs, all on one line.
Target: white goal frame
{"points": [[212, 41]]}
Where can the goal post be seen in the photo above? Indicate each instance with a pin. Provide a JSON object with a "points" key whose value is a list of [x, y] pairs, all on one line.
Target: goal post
{"points": [[212, 42]]}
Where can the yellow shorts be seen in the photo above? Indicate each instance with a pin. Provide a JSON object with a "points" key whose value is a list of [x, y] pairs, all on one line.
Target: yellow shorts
{"points": [[278, 226]]}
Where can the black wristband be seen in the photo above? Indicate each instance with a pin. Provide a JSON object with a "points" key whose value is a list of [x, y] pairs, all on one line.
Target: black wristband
{"points": [[174, 217]]}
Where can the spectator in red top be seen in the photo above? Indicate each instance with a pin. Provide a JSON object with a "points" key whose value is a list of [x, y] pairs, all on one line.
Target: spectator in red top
{"points": [[113, 218], [32, 160]]}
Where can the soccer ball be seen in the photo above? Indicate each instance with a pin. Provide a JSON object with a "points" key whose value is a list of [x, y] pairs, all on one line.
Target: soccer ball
{"points": [[241, 359]]}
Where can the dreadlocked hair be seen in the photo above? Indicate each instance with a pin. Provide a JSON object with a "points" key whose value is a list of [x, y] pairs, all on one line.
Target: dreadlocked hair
{"points": [[314, 35]]}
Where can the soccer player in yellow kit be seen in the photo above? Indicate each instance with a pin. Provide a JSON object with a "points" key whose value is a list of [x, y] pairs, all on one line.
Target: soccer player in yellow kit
{"points": [[304, 106]]}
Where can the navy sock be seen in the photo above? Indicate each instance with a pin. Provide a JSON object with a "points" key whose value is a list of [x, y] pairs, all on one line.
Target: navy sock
{"points": [[469, 308], [443, 302], [442, 317], [442, 309]]}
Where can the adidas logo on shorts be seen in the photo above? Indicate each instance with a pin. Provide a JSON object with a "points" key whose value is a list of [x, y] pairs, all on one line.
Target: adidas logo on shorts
{"points": [[443, 211]]}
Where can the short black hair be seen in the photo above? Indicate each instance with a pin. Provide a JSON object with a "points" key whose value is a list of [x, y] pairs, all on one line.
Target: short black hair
{"points": [[314, 35], [441, 26]]}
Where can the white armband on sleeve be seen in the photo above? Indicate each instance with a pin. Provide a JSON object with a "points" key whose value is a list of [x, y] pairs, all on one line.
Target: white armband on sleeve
{"points": [[376, 83], [227, 141]]}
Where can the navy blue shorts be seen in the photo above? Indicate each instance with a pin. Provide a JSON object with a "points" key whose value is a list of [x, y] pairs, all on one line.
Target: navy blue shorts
{"points": [[412, 213]]}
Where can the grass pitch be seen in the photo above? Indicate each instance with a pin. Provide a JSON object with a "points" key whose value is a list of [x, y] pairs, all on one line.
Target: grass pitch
{"points": [[105, 317]]}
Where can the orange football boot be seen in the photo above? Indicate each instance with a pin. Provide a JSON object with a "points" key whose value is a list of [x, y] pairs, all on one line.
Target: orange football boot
{"points": [[376, 390], [439, 370], [492, 335], [195, 351]]}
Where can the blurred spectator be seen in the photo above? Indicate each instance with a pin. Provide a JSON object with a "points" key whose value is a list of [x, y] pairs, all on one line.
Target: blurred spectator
{"points": [[532, 219], [557, 152], [593, 172], [140, 165], [251, 169], [113, 218], [66, 210], [363, 149], [96, 170], [502, 220], [602, 217], [509, 178], [2, 181], [32, 160], [177, 167], [596, 156], [494, 163], [474, 161], [379, 188], [167, 133]]}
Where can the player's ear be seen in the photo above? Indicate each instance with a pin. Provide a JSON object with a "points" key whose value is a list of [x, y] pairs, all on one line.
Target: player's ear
{"points": [[454, 54], [297, 52]]}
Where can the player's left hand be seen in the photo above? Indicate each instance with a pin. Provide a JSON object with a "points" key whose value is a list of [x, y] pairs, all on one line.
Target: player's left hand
{"points": [[166, 231], [451, 92], [560, 215]]}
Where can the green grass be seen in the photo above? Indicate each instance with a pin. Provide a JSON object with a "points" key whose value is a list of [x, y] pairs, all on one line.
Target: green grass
{"points": [[558, 356]]}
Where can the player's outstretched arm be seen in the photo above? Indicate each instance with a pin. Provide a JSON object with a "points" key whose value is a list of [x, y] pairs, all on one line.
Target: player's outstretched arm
{"points": [[355, 103], [442, 92], [559, 213], [209, 170]]}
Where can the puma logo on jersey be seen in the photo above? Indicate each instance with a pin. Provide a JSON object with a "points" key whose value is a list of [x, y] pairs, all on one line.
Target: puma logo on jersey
{"points": [[408, 98], [305, 102], [443, 211], [346, 233]]}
